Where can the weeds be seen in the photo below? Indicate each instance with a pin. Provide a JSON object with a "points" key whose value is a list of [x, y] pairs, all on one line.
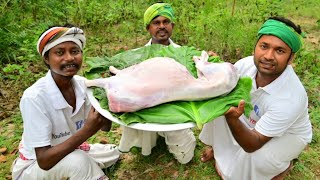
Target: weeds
{"points": [[114, 26]]}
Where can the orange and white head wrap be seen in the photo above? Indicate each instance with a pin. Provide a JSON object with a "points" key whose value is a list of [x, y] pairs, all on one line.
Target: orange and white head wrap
{"points": [[57, 35]]}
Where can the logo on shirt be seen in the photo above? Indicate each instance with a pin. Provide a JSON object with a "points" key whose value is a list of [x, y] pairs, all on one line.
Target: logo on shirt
{"points": [[79, 124], [254, 116], [62, 134], [252, 121], [256, 110]]}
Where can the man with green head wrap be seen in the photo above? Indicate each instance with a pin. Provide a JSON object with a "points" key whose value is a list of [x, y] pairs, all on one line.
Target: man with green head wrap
{"points": [[278, 129], [158, 20]]}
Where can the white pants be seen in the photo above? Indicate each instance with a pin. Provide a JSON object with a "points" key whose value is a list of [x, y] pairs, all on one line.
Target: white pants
{"points": [[234, 163], [181, 143], [78, 165]]}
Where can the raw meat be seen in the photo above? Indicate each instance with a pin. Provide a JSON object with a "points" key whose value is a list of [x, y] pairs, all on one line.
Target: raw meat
{"points": [[159, 80]]}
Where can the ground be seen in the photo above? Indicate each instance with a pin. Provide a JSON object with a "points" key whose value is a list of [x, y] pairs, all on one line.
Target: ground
{"points": [[11, 128]]}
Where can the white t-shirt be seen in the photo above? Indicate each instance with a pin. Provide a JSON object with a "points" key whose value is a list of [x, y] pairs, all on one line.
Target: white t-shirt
{"points": [[47, 117], [170, 41], [280, 107]]}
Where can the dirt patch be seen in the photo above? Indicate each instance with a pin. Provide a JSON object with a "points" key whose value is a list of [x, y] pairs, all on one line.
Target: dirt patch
{"points": [[9, 98], [311, 27]]}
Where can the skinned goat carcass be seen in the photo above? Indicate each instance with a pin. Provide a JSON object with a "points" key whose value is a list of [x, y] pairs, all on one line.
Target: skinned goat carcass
{"points": [[159, 80]]}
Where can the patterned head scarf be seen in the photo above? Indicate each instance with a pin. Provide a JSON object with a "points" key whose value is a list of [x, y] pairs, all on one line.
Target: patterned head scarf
{"points": [[281, 30], [57, 35], [158, 9]]}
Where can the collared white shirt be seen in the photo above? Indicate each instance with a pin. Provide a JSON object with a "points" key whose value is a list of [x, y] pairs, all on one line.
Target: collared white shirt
{"points": [[280, 107], [170, 41], [47, 117]]}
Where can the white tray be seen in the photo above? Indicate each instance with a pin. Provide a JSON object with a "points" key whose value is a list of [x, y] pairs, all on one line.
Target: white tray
{"points": [[140, 126]]}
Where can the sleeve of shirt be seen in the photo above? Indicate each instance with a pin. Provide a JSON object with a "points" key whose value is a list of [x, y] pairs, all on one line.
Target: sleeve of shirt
{"points": [[37, 126], [280, 116], [244, 65]]}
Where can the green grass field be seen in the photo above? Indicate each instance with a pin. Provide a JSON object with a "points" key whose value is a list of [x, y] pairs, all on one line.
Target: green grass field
{"points": [[112, 27]]}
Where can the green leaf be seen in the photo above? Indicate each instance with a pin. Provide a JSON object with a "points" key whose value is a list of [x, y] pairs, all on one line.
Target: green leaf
{"points": [[199, 112]]}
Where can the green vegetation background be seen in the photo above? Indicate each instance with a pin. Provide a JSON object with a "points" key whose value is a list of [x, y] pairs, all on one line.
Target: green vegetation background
{"points": [[225, 27]]}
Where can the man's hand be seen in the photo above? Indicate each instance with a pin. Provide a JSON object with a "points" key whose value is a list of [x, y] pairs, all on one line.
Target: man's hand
{"points": [[235, 112], [95, 121], [48, 156], [106, 125], [211, 53], [249, 140]]}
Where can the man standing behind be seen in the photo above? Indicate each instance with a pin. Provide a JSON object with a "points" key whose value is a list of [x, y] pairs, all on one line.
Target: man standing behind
{"points": [[278, 129], [158, 20]]}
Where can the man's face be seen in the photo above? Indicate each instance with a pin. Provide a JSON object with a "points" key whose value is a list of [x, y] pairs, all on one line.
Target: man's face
{"points": [[65, 59], [160, 28], [271, 56]]}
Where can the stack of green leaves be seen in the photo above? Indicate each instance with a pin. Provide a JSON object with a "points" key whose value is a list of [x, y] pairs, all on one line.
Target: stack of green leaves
{"points": [[199, 112]]}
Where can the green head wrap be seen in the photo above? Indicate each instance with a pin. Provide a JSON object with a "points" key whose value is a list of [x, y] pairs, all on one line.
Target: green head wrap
{"points": [[281, 30], [158, 9]]}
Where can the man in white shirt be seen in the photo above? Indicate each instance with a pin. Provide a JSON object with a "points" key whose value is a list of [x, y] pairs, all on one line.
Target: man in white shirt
{"points": [[159, 22], [58, 117], [278, 129]]}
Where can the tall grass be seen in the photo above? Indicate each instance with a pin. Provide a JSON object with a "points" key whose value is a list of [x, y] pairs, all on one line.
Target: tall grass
{"points": [[113, 26]]}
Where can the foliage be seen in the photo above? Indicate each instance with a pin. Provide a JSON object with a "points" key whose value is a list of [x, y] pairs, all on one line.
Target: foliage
{"points": [[115, 26], [199, 112]]}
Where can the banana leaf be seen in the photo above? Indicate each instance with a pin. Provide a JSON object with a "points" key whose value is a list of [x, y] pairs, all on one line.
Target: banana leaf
{"points": [[199, 112]]}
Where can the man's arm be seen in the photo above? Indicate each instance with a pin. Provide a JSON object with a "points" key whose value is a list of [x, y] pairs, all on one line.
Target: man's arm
{"points": [[48, 156], [249, 140]]}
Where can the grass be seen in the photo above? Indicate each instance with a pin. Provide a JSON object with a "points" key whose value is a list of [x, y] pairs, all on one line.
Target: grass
{"points": [[10, 136], [161, 165], [209, 26]]}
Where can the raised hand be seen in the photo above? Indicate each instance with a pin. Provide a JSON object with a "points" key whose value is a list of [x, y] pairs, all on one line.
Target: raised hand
{"points": [[235, 112]]}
